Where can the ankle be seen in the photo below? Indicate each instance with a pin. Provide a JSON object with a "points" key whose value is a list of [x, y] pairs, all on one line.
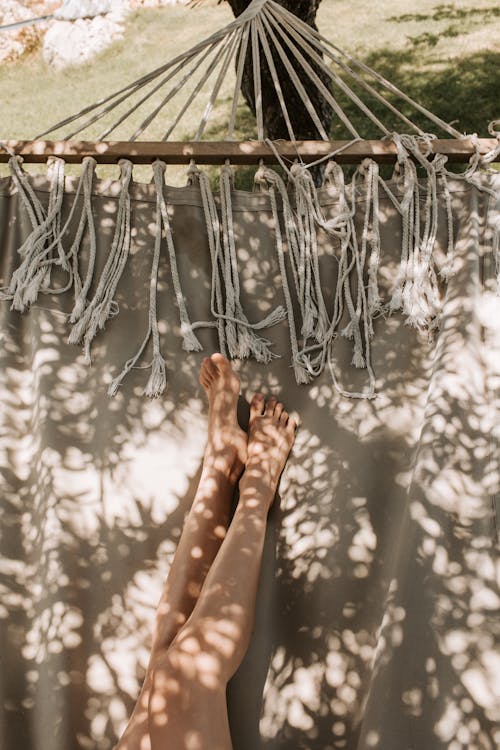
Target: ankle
{"points": [[224, 464], [257, 490]]}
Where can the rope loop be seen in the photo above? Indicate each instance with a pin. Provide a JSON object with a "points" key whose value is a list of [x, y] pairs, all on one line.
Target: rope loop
{"points": [[8, 149], [492, 155], [193, 169]]}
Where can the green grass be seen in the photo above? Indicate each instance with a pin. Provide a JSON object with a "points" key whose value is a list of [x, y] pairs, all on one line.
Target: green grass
{"points": [[445, 56]]}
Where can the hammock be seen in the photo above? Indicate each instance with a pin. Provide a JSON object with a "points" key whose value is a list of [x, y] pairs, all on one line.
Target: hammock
{"points": [[377, 602], [267, 32]]}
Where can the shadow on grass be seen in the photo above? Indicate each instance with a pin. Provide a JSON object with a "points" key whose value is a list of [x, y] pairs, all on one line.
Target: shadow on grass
{"points": [[449, 12], [460, 91]]}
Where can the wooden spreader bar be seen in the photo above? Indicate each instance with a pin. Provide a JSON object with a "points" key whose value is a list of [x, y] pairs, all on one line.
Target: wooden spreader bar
{"points": [[237, 152]]}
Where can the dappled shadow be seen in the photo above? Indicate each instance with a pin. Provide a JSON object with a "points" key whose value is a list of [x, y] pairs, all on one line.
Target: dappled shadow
{"points": [[446, 88], [475, 18], [375, 599]]}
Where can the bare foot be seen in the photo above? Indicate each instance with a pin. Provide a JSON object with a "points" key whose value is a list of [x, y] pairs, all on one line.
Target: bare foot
{"points": [[227, 442], [271, 434]]}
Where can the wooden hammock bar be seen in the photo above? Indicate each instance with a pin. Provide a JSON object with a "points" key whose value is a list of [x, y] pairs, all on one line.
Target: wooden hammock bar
{"points": [[236, 152]]}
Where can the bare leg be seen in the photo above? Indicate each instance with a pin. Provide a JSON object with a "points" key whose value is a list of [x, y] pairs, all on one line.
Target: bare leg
{"points": [[204, 528], [187, 708]]}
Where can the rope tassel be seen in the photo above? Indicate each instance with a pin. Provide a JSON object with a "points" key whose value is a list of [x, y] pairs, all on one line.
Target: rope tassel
{"points": [[276, 183], [242, 341], [158, 379], [189, 341], [103, 306], [37, 250], [214, 243], [86, 222], [416, 290]]}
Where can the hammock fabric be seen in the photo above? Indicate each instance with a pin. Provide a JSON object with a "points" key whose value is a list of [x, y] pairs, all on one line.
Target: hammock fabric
{"points": [[377, 601], [371, 307]]}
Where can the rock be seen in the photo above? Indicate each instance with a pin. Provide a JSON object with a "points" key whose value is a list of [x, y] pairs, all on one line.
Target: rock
{"points": [[70, 10], [80, 29], [157, 3], [75, 42], [15, 43]]}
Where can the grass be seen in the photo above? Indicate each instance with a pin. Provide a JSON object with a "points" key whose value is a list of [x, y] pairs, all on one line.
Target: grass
{"points": [[445, 56]]}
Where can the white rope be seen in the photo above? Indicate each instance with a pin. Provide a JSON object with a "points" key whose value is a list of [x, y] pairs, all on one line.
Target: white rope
{"points": [[297, 83], [311, 33], [103, 306], [309, 44], [158, 379], [448, 269], [242, 341], [190, 342], [310, 359], [214, 243], [5, 146], [257, 80], [34, 208], [131, 88], [286, 32], [492, 155], [275, 182], [215, 91], [28, 278], [239, 78], [208, 72], [180, 67], [274, 76], [87, 219]]}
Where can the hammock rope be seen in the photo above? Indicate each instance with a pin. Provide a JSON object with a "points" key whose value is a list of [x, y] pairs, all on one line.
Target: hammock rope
{"points": [[297, 54], [265, 26]]}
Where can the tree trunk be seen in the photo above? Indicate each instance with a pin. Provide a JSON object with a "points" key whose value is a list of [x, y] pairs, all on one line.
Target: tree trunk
{"points": [[274, 122]]}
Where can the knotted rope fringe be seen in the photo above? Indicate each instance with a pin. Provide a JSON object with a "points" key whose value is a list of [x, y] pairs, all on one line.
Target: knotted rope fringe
{"points": [[103, 306], [190, 342], [36, 251], [86, 220], [214, 243], [242, 341], [33, 274], [158, 378], [310, 358], [296, 224], [310, 215], [275, 182]]}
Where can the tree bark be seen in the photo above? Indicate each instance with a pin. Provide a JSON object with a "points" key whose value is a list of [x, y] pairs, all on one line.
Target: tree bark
{"points": [[274, 121]]}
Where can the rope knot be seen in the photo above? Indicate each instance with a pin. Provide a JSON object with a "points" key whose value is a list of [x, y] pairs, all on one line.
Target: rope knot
{"points": [[159, 167], [126, 168], [298, 170], [366, 167], [260, 177], [402, 153]]}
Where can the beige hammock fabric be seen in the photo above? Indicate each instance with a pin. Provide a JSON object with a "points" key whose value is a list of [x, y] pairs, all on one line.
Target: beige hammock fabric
{"points": [[377, 608]]}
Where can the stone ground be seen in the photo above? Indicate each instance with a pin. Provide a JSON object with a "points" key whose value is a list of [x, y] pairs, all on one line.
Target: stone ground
{"points": [[80, 30]]}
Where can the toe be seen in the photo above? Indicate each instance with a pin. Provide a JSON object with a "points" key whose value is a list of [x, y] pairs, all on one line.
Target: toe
{"points": [[291, 425], [271, 405], [220, 361], [278, 410], [210, 368], [257, 405], [205, 380], [283, 418], [203, 370]]}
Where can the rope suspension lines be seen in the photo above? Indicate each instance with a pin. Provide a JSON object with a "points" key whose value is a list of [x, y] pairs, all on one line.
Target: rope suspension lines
{"points": [[293, 52]]}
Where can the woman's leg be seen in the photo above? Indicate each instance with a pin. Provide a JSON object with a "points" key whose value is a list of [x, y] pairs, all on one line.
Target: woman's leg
{"points": [[187, 706], [204, 529]]}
